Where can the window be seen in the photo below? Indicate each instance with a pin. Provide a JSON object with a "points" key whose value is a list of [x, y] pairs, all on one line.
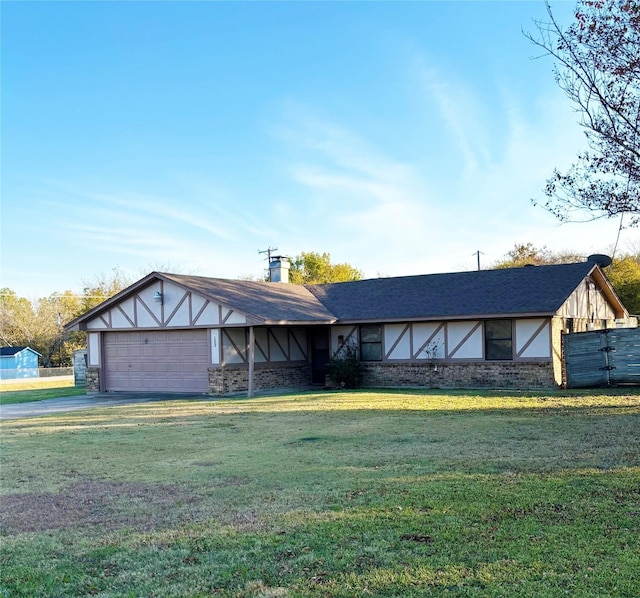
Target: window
{"points": [[498, 339], [371, 343]]}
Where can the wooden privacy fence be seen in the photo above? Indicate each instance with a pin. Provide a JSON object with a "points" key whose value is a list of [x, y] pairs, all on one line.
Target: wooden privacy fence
{"points": [[602, 358]]}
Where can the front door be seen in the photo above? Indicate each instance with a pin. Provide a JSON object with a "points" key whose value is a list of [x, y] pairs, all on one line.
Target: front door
{"points": [[320, 354]]}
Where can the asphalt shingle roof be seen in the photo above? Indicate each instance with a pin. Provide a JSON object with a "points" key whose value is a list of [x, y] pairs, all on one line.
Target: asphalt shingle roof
{"points": [[528, 290], [534, 290], [9, 351], [268, 301]]}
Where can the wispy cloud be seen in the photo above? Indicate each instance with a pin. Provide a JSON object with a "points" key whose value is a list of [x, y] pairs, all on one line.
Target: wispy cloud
{"points": [[377, 202], [463, 117]]}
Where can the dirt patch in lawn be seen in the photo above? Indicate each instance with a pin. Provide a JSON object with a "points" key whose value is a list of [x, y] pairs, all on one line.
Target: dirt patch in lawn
{"points": [[110, 505]]}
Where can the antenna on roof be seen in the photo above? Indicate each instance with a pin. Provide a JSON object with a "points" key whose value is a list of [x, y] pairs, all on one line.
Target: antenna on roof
{"points": [[268, 251], [478, 254], [604, 261]]}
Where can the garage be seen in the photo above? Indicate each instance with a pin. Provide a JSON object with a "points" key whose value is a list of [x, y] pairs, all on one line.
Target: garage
{"points": [[157, 361]]}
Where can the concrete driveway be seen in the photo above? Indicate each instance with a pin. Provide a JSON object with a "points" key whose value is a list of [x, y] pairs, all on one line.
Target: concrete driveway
{"points": [[64, 404]]}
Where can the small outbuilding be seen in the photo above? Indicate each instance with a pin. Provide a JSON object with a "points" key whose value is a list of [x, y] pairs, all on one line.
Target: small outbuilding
{"points": [[497, 328], [18, 362]]}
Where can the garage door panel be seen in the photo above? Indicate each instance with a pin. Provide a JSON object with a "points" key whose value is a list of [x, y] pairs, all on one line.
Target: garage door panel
{"points": [[157, 361], [149, 383], [188, 350]]}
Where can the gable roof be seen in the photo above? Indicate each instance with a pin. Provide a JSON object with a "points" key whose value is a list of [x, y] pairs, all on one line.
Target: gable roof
{"points": [[509, 292], [262, 302], [531, 290], [268, 302], [11, 351]]}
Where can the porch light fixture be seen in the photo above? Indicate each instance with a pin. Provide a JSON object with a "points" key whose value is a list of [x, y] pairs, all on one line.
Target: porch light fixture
{"points": [[157, 297]]}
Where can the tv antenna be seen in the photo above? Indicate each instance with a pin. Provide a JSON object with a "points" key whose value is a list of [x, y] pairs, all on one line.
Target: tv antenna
{"points": [[478, 254], [268, 251]]}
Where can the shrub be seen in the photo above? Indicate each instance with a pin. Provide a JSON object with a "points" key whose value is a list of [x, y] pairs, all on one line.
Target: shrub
{"points": [[345, 367]]}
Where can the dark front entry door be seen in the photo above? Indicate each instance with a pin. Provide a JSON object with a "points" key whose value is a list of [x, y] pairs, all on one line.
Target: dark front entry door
{"points": [[319, 354]]}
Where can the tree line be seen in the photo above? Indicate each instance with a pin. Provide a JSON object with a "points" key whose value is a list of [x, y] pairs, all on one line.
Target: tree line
{"points": [[39, 323]]}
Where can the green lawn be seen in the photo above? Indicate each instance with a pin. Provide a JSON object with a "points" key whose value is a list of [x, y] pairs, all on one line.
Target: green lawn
{"points": [[327, 494], [38, 394]]}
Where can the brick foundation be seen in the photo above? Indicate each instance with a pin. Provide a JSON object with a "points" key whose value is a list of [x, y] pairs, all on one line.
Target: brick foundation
{"points": [[93, 379], [232, 379], [504, 374]]}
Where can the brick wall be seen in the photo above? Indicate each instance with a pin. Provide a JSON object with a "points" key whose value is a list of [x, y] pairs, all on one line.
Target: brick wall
{"points": [[504, 374], [236, 379], [93, 379]]}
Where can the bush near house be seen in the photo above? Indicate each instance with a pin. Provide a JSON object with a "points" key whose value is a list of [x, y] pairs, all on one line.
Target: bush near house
{"points": [[345, 368]]}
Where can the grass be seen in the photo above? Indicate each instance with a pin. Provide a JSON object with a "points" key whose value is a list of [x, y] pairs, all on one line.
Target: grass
{"points": [[327, 494], [43, 388]]}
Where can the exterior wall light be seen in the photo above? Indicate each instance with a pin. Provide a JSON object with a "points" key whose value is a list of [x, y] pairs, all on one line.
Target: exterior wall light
{"points": [[157, 297]]}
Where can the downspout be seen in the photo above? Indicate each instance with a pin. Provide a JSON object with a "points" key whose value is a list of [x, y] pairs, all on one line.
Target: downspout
{"points": [[251, 360]]}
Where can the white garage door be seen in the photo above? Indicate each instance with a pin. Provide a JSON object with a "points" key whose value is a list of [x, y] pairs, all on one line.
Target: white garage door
{"points": [[162, 361]]}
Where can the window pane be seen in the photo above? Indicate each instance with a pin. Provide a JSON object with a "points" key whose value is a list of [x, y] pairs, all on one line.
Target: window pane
{"points": [[498, 329], [499, 349], [371, 351], [370, 334], [498, 342]]}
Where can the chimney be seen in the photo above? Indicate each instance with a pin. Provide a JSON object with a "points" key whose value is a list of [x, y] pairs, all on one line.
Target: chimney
{"points": [[279, 269]]}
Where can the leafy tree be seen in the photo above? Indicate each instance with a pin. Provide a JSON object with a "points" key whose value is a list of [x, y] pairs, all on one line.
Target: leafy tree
{"points": [[598, 67], [102, 287], [16, 314], [39, 324], [525, 254], [624, 275], [316, 268]]}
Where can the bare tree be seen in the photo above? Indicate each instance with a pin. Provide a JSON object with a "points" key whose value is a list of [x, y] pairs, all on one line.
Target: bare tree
{"points": [[598, 67]]}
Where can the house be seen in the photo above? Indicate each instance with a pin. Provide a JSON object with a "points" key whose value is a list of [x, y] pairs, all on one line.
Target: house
{"points": [[490, 328], [18, 362]]}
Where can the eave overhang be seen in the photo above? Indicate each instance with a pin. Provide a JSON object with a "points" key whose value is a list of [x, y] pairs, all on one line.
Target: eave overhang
{"points": [[447, 318]]}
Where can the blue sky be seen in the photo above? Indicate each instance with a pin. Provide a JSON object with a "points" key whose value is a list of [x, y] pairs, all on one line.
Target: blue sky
{"points": [[187, 136]]}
